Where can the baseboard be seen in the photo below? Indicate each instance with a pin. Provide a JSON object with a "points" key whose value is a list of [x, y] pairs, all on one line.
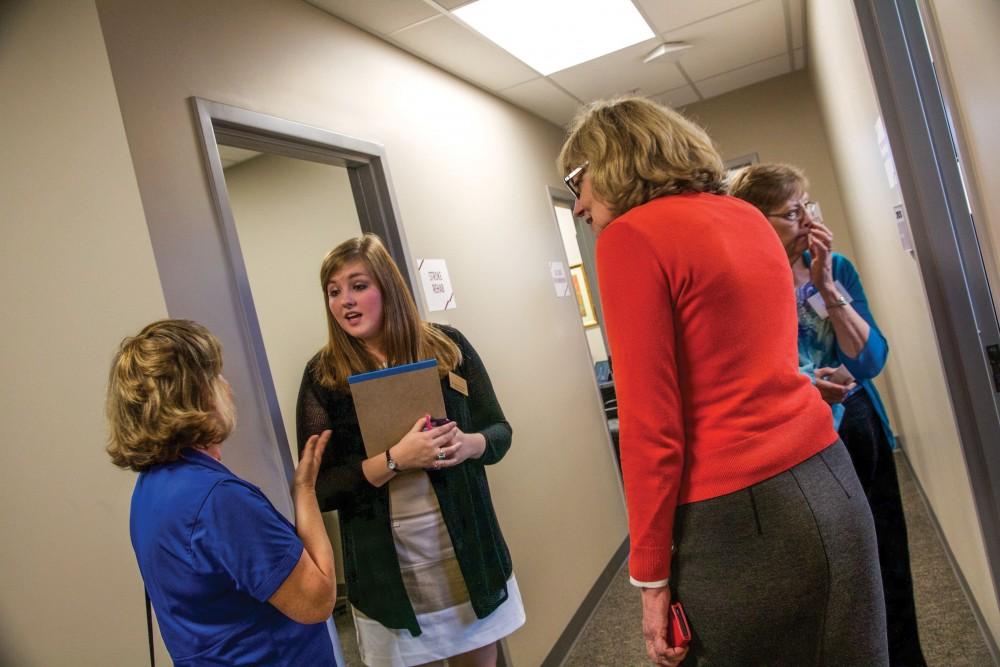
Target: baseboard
{"points": [[984, 629], [563, 646]]}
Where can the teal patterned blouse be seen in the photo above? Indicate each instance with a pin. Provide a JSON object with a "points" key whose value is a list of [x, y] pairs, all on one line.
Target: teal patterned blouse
{"points": [[818, 346]]}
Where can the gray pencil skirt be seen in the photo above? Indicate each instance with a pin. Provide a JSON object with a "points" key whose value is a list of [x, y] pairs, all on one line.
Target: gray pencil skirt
{"points": [[784, 572]]}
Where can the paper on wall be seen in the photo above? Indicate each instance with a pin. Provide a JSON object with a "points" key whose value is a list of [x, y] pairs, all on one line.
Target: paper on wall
{"points": [[436, 282], [560, 278]]}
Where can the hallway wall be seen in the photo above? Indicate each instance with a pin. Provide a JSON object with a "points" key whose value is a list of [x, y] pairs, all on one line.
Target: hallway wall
{"points": [[78, 275], [470, 173], [895, 290], [779, 119]]}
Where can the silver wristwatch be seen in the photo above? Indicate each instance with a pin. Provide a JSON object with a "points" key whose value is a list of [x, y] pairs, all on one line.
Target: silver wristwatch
{"points": [[390, 462]]}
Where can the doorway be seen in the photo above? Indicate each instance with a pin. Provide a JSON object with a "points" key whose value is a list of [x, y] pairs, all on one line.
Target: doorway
{"points": [[285, 194], [579, 246]]}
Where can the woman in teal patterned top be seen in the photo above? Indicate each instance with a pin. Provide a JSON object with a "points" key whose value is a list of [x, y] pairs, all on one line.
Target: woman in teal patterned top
{"points": [[820, 355], [842, 350]]}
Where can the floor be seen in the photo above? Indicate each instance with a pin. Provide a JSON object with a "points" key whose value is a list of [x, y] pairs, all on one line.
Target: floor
{"points": [[950, 636], [948, 630]]}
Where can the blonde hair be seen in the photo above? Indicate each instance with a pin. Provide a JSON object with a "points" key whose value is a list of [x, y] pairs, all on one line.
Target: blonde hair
{"points": [[638, 150], [165, 394], [407, 338], [768, 186]]}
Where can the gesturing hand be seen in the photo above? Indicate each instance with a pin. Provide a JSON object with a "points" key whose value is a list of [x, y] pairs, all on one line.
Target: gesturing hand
{"points": [[655, 619], [419, 448], [308, 468]]}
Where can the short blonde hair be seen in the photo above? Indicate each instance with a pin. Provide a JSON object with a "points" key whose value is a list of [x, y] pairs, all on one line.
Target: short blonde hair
{"points": [[407, 338], [163, 394], [639, 150], [768, 186]]}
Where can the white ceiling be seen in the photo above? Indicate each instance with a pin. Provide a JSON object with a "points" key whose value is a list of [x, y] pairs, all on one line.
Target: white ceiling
{"points": [[736, 43]]}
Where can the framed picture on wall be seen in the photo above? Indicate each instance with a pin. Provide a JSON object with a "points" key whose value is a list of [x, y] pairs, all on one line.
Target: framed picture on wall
{"points": [[583, 298]]}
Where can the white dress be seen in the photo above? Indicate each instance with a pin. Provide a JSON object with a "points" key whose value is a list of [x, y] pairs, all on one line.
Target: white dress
{"points": [[435, 587]]}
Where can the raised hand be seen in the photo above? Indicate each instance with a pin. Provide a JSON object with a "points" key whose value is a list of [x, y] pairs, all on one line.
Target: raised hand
{"points": [[821, 249], [308, 468]]}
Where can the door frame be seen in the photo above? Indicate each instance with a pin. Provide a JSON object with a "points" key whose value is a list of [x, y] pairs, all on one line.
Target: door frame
{"points": [[371, 186], [945, 240]]}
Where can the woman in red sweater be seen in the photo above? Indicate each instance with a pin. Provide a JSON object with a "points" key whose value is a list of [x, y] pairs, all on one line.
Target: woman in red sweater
{"points": [[742, 501]]}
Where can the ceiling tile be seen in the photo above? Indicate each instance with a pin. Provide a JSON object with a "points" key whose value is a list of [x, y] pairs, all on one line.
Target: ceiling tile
{"points": [[452, 4], [383, 17], [799, 57], [544, 98], [678, 97], [457, 49], [744, 76], [749, 34], [620, 72], [667, 15], [798, 22]]}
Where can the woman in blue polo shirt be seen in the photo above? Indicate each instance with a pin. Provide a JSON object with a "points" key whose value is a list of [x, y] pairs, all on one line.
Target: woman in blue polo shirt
{"points": [[231, 580]]}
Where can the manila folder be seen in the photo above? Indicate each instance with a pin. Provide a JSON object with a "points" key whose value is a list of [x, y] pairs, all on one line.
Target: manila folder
{"points": [[389, 401]]}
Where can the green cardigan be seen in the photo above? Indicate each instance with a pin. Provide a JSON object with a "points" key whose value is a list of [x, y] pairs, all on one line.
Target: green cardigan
{"points": [[371, 569]]}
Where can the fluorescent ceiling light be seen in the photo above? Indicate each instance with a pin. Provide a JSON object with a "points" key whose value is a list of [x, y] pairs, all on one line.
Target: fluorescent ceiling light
{"points": [[551, 35]]}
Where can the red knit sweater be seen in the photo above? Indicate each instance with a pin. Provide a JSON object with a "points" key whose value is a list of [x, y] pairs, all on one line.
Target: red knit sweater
{"points": [[700, 313]]}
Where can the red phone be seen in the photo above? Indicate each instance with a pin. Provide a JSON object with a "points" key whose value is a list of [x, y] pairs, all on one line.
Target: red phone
{"points": [[678, 631], [432, 422]]}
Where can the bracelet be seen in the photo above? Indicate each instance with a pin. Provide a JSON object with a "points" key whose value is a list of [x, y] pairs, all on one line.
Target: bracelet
{"points": [[839, 303]]}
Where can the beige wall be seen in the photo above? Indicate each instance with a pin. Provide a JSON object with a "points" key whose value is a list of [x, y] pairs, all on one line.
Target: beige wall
{"points": [[470, 175], [895, 290], [779, 120], [79, 275]]}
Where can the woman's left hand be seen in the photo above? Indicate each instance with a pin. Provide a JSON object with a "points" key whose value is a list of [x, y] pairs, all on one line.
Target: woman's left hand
{"points": [[821, 249], [463, 446]]}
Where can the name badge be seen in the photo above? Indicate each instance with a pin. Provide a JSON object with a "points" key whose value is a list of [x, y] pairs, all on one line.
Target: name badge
{"points": [[816, 301], [458, 384]]}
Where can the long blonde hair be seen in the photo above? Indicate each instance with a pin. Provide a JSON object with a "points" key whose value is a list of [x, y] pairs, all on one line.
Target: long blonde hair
{"points": [[406, 337], [165, 394], [638, 150]]}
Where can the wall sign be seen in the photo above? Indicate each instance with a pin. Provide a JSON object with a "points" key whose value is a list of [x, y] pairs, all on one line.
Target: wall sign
{"points": [[437, 284], [560, 278]]}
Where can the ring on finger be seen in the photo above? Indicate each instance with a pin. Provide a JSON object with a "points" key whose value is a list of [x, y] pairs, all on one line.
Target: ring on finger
{"points": [[441, 456]]}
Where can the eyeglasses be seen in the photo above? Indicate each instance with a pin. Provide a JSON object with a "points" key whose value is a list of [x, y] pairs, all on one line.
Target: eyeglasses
{"points": [[572, 179], [797, 212]]}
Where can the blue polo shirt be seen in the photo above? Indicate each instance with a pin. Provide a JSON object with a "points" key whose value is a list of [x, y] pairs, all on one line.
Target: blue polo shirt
{"points": [[212, 550]]}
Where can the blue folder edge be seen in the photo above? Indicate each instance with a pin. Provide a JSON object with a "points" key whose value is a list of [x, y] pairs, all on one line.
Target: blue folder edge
{"points": [[395, 370]]}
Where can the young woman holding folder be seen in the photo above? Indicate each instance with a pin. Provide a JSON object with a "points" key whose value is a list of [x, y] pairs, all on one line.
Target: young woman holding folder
{"points": [[428, 573]]}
